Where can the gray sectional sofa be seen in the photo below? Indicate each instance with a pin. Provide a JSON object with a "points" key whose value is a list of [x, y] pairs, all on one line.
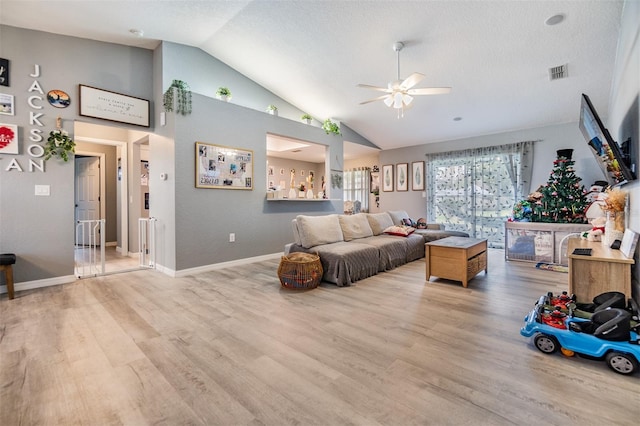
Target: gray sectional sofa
{"points": [[353, 247]]}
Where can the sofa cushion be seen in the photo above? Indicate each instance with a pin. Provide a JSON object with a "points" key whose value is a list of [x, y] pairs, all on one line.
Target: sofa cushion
{"points": [[317, 230], [355, 226], [397, 216], [296, 234], [379, 222], [401, 231]]}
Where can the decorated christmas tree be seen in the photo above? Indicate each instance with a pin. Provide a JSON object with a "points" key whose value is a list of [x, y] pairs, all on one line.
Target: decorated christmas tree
{"points": [[562, 199]]}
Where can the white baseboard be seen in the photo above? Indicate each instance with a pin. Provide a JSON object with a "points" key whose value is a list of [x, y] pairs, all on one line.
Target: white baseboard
{"points": [[28, 285], [47, 282], [215, 266], [111, 244]]}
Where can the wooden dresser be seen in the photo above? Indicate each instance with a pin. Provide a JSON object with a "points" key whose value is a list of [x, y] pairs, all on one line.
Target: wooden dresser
{"points": [[605, 270]]}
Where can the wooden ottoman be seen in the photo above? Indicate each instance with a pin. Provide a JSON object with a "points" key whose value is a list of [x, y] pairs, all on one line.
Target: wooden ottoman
{"points": [[456, 258]]}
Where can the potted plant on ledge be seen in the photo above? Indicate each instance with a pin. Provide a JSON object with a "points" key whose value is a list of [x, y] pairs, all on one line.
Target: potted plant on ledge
{"points": [[330, 127], [272, 109], [224, 94], [306, 118]]}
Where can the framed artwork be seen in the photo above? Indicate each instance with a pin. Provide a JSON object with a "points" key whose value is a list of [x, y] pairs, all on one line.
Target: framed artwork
{"points": [[4, 72], [629, 242], [6, 104], [58, 98], [417, 176], [8, 139], [106, 105], [387, 178], [402, 182], [223, 167]]}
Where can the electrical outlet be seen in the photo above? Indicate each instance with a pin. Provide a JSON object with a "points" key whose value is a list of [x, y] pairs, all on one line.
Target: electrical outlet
{"points": [[232, 237]]}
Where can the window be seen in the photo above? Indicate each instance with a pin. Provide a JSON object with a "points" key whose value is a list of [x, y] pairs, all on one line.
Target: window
{"points": [[356, 190], [474, 190]]}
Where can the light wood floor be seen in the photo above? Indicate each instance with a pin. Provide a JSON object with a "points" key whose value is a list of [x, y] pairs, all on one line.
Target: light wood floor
{"points": [[230, 347]]}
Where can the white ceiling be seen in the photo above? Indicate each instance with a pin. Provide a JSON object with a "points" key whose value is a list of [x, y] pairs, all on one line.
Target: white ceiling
{"points": [[494, 54]]}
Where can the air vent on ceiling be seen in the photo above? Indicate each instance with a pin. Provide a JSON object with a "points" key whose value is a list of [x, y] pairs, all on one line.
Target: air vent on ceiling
{"points": [[556, 73]]}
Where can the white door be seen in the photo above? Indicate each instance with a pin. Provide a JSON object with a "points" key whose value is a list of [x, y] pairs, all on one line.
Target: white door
{"points": [[87, 191]]}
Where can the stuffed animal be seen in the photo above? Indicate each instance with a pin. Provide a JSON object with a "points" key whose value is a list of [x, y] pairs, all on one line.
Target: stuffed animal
{"points": [[595, 234]]}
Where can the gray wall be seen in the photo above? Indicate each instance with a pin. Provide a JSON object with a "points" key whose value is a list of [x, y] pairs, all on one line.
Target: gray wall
{"points": [[287, 165], [551, 138], [205, 217], [39, 230]]}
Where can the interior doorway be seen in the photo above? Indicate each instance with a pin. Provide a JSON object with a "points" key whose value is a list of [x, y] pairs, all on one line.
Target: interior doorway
{"points": [[103, 179]]}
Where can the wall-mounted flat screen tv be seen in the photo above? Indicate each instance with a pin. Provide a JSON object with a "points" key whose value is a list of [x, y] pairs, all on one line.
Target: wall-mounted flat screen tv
{"points": [[604, 148]]}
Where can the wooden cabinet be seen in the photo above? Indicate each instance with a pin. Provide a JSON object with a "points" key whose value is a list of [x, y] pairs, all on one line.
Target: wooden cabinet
{"points": [[605, 270], [539, 242]]}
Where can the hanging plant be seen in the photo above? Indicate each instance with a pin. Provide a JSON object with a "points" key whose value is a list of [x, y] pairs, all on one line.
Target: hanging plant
{"points": [[330, 127], [59, 144], [183, 94]]}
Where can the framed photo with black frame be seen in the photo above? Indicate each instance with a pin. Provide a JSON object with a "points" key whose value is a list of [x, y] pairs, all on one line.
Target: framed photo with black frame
{"points": [[387, 178], [402, 177]]}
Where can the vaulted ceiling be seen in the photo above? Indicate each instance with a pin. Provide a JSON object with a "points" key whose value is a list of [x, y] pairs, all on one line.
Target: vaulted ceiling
{"points": [[495, 55]]}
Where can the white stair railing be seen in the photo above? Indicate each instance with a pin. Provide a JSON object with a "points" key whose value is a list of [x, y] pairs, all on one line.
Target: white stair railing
{"points": [[147, 241], [89, 249]]}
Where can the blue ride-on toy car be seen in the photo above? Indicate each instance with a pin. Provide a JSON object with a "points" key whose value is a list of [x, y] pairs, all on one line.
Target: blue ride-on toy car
{"points": [[608, 334]]}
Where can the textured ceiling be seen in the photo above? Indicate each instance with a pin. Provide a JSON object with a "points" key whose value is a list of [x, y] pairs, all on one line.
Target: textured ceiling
{"points": [[494, 54]]}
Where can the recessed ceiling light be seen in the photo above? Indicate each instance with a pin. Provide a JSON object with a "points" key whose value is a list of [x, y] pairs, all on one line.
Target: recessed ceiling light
{"points": [[457, 118], [137, 33], [555, 19]]}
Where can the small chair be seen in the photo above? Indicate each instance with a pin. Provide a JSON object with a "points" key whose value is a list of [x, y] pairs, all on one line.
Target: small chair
{"points": [[6, 266]]}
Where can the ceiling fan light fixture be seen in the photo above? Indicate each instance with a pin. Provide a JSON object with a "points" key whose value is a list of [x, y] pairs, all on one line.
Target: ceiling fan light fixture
{"points": [[388, 101], [397, 100], [407, 99]]}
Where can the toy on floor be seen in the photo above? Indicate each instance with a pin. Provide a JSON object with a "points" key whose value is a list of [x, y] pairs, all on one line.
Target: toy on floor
{"points": [[610, 334]]}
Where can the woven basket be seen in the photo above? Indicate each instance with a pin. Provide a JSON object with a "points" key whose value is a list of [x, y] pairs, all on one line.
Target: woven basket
{"points": [[300, 271]]}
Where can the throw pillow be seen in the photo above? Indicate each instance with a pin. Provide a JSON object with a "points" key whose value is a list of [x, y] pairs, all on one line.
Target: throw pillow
{"points": [[355, 226], [401, 231], [317, 230], [379, 222], [397, 216]]}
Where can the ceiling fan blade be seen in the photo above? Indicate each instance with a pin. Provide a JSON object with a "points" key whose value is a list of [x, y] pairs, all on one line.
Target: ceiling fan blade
{"points": [[412, 80], [368, 86], [379, 98], [430, 91]]}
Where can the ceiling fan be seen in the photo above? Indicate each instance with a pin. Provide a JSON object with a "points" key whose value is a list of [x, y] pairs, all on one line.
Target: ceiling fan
{"points": [[399, 93]]}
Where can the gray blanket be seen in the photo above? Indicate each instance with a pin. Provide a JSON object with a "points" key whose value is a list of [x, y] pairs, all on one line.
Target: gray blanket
{"points": [[345, 262]]}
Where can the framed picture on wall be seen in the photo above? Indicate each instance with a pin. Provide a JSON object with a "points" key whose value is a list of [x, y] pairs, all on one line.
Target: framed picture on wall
{"points": [[6, 104], [417, 176], [112, 106], [402, 177], [387, 178], [223, 167]]}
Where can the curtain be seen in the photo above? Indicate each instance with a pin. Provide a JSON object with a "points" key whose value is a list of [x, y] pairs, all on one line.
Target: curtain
{"points": [[474, 190], [356, 189]]}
